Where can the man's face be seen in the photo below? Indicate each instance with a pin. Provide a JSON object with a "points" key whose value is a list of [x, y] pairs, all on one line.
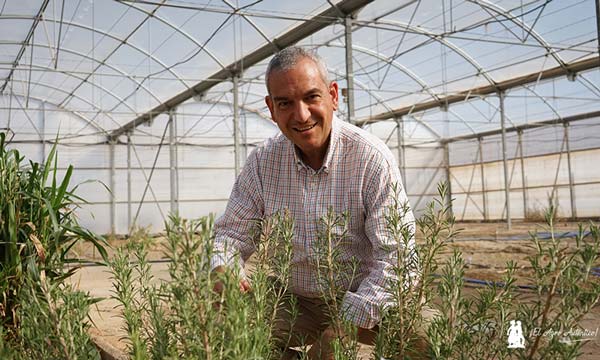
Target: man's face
{"points": [[302, 105]]}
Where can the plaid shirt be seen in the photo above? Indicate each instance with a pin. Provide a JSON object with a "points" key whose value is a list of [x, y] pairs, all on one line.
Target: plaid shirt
{"points": [[357, 177]]}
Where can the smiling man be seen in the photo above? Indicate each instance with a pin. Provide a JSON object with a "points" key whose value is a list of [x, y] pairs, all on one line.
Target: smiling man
{"points": [[317, 163]]}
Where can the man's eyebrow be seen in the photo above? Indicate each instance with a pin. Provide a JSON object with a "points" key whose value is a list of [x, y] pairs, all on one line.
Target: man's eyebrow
{"points": [[314, 90]]}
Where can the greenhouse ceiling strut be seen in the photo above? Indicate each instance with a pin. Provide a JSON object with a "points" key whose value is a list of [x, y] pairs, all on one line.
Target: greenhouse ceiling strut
{"points": [[291, 37], [36, 21], [567, 69]]}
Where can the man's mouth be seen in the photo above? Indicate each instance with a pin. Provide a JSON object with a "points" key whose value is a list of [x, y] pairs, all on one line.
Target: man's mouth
{"points": [[305, 128]]}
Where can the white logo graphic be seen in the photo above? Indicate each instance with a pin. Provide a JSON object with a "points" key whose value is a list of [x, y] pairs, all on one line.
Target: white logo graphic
{"points": [[515, 335]]}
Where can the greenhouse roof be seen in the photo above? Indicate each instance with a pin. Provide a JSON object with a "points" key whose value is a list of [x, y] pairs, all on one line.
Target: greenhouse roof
{"points": [[437, 65]]}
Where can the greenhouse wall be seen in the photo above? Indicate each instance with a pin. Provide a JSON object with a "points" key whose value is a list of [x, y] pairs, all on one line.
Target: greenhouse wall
{"points": [[205, 169], [538, 168]]}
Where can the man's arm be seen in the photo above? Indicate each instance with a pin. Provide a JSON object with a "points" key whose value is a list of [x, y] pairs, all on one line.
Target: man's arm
{"points": [[363, 306], [233, 228]]}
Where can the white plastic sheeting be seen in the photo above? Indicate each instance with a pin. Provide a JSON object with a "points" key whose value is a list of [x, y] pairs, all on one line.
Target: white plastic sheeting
{"points": [[75, 77]]}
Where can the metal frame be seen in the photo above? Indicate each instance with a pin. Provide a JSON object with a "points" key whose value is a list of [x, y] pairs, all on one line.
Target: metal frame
{"points": [[574, 67], [519, 156], [340, 14], [296, 34], [36, 20]]}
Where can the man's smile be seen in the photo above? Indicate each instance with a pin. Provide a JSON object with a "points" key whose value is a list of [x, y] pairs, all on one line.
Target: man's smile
{"points": [[305, 128]]}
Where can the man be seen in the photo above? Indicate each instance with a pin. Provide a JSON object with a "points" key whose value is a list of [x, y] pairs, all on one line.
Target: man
{"points": [[318, 162]]}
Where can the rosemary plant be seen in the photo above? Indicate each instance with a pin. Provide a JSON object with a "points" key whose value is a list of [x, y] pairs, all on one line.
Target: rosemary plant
{"points": [[184, 318]]}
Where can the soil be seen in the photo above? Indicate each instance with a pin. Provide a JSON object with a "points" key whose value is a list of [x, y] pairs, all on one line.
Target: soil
{"points": [[486, 248]]}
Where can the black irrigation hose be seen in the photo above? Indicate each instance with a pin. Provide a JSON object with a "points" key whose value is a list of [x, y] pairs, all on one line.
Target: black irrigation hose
{"points": [[497, 283], [94, 263], [595, 272], [541, 236]]}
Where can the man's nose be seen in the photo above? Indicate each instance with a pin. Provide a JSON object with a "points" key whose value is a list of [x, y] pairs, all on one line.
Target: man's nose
{"points": [[301, 112]]}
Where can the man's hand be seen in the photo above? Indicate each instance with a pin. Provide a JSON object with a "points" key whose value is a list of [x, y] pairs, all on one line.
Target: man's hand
{"points": [[322, 349], [218, 287]]}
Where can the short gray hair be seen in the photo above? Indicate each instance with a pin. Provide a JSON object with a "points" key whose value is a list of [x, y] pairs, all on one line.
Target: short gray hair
{"points": [[289, 57]]}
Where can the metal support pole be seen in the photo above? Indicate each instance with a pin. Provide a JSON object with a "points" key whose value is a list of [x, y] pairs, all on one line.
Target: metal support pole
{"points": [[523, 178], [571, 182], [129, 224], [245, 137], [173, 161], [483, 193], [349, 67], [447, 166], [598, 24], [43, 132], [236, 126], [113, 205], [401, 149], [505, 165]]}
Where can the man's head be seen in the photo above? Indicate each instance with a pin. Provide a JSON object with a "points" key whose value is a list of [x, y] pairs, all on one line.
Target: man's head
{"points": [[302, 100]]}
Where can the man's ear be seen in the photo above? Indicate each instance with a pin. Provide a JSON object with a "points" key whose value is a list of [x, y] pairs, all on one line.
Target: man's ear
{"points": [[333, 92], [269, 103]]}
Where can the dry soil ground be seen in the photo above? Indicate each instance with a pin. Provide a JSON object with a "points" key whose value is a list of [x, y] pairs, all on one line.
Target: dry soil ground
{"points": [[486, 247]]}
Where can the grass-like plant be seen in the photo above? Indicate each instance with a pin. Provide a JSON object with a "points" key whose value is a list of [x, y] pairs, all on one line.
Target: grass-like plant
{"points": [[38, 228]]}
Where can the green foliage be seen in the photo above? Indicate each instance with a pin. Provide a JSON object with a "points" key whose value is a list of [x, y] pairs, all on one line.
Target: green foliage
{"points": [[41, 317], [565, 288], [54, 322], [332, 273], [412, 293], [184, 318]]}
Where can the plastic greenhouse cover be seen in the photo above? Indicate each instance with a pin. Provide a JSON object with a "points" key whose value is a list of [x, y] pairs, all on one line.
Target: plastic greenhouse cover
{"points": [[121, 58]]}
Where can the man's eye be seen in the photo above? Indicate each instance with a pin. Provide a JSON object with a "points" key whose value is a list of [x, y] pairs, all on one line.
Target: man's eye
{"points": [[282, 104]]}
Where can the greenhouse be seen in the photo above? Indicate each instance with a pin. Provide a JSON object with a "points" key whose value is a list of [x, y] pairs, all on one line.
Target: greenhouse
{"points": [[150, 109]]}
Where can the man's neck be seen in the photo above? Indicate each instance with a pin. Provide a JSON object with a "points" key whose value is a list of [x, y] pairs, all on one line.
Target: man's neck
{"points": [[315, 162], [315, 159]]}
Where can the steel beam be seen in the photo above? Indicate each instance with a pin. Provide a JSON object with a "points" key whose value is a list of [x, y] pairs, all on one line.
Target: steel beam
{"points": [[523, 178], [291, 37], [112, 182], [598, 24], [571, 181], [173, 161], [447, 167], [28, 38], [538, 124], [349, 67], [575, 67], [483, 191], [504, 164], [43, 131], [236, 125], [129, 213], [401, 150]]}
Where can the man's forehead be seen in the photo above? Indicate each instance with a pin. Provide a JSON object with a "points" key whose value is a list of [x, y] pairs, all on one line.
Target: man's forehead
{"points": [[285, 94]]}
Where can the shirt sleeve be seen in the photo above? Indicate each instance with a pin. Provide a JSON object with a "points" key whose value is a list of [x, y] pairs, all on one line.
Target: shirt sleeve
{"points": [[363, 306], [245, 206]]}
